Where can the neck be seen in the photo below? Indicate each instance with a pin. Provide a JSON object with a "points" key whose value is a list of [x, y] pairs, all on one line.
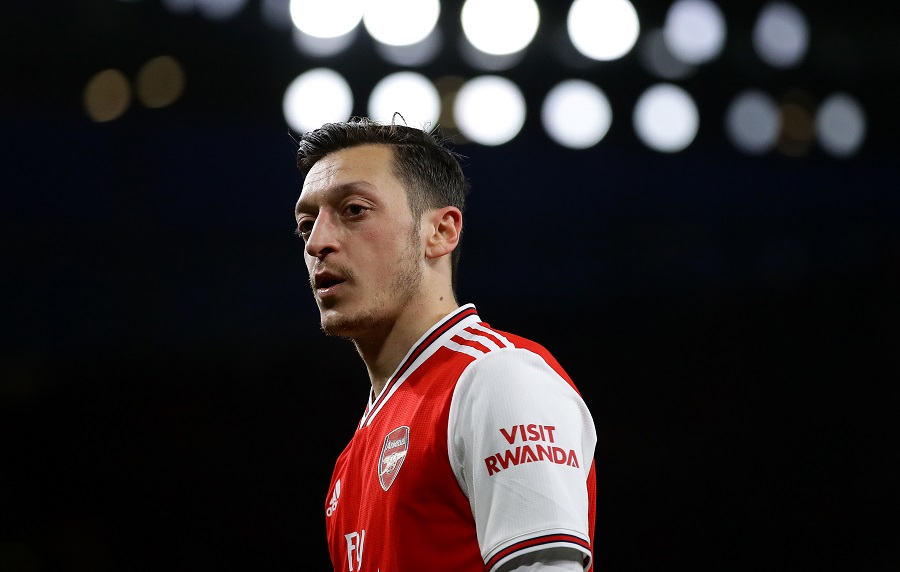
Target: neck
{"points": [[383, 352]]}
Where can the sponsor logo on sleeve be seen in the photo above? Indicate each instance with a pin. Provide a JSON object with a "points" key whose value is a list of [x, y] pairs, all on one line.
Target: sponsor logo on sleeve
{"points": [[393, 453], [536, 443]]}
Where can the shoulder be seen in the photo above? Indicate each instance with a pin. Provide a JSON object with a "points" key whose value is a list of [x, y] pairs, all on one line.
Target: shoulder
{"points": [[512, 374], [501, 355], [517, 374]]}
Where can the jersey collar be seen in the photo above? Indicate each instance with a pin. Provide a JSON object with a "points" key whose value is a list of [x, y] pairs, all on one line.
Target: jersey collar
{"points": [[430, 341]]}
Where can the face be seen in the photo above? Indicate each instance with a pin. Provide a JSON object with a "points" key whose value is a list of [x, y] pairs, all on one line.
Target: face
{"points": [[362, 248]]}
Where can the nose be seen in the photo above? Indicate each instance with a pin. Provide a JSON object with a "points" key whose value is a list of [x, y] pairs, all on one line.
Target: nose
{"points": [[323, 237]]}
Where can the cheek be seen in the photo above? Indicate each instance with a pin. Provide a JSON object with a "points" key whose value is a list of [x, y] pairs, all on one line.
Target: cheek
{"points": [[380, 243], [382, 253]]}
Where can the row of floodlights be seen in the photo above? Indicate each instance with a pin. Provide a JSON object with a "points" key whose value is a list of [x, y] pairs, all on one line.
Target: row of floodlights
{"points": [[491, 110], [694, 31]]}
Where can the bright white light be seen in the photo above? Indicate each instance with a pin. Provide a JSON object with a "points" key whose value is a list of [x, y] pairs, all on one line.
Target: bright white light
{"points": [[576, 114], [753, 122], [489, 110], [220, 9], [603, 29], [694, 30], [666, 118], [326, 19], [409, 93], [401, 22], [840, 125], [500, 26], [321, 47], [781, 35], [413, 55], [318, 96], [487, 62]]}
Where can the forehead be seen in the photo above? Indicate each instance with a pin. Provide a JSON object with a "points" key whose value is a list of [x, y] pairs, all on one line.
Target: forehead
{"points": [[369, 166]]}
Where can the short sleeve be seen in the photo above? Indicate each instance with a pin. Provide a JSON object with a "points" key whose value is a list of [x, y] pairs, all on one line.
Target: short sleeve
{"points": [[521, 443]]}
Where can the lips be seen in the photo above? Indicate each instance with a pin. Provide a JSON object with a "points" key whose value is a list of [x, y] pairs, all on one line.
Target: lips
{"points": [[325, 280]]}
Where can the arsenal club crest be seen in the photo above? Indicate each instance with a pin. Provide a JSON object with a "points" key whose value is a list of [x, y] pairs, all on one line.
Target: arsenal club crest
{"points": [[396, 443]]}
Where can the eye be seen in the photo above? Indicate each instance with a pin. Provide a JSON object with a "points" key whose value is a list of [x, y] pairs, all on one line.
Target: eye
{"points": [[355, 210], [304, 227]]}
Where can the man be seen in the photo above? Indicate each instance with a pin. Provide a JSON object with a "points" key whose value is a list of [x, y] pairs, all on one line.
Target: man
{"points": [[475, 450]]}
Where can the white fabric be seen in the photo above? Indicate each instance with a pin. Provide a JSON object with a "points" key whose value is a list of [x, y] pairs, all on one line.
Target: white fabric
{"points": [[551, 566], [552, 560], [506, 401]]}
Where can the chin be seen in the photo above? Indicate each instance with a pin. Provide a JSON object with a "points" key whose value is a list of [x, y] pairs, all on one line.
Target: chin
{"points": [[337, 324], [344, 325], [334, 330]]}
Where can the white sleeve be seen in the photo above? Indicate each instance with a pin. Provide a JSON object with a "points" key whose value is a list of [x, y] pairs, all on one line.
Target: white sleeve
{"points": [[521, 444], [546, 561], [551, 566]]}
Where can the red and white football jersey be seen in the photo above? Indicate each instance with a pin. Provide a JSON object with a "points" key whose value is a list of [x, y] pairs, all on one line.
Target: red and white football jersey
{"points": [[478, 450]]}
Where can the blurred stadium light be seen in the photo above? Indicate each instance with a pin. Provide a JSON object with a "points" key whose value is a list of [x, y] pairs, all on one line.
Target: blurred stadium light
{"points": [[669, 76]]}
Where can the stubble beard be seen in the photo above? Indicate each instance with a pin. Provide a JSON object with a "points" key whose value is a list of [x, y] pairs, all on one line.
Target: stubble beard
{"points": [[383, 308]]}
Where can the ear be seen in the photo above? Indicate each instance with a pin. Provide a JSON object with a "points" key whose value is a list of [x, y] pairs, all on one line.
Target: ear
{"points": [[442, 229]]}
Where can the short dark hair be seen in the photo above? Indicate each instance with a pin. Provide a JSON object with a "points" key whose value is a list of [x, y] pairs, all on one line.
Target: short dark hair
{"points": [[430, 171]]}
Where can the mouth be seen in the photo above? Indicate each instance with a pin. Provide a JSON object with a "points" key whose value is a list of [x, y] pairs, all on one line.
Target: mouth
{"points": [[324, 283]]}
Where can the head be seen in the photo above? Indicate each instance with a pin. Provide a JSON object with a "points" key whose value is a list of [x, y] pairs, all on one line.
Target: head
{"points": [[404, 180], [429, 171]]}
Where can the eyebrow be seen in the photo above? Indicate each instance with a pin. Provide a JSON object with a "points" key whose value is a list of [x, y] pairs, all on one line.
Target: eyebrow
{"points": [[337, 191]]}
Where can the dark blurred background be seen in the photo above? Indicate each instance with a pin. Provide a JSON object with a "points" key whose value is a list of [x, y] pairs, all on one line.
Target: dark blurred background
{"points": [[167, 401]]}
